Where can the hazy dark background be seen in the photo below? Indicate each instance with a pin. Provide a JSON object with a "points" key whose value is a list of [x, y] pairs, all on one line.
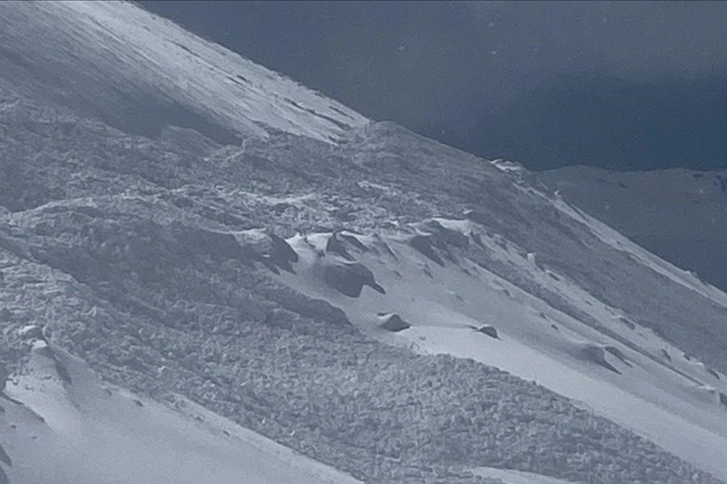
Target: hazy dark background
{"points": [[623, 85]]}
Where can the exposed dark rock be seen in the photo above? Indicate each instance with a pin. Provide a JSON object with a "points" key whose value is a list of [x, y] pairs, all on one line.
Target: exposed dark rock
{"points": [[350, 279], [394, 323], [722, 398]]}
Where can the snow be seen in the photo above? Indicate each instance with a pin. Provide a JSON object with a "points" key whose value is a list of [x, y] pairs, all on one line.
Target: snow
{"points": [[116, 47], [665, 402], [507, 165], [95, 433], [513, 298], [509, 476]]}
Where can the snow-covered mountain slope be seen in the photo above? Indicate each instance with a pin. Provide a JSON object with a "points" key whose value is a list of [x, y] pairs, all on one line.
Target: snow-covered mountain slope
{"points": [[141, 73], [678, 214], [60, 424], [367, 297], [427, 294], [168, 273]]}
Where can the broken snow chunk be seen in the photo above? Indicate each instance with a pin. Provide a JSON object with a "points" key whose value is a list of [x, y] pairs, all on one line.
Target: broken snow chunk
{"points": [[628, 323], [618, 354], [282, 254], [597, 354], [350, 279], [487, 329], [422, 244], [42, 347], [31, 331], [712, 372], [337, 246], [351, 239], [4, 457], [507, 165], [477, 239], [393, 323]]}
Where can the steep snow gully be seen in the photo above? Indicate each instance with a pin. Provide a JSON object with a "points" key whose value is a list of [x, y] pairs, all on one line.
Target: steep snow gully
{"points": [[209, 273]]}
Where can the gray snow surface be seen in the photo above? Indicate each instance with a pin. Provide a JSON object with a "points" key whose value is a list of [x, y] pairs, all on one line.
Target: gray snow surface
{"points": [[166, 216]]}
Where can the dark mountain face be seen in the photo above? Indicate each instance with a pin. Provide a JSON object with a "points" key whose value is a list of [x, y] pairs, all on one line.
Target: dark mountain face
{"points": [[604, 122], [677, 214], [548, 85]]}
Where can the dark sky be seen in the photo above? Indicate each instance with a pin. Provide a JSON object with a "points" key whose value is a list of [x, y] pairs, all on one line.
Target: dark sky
{"points": [[623, 85]]}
